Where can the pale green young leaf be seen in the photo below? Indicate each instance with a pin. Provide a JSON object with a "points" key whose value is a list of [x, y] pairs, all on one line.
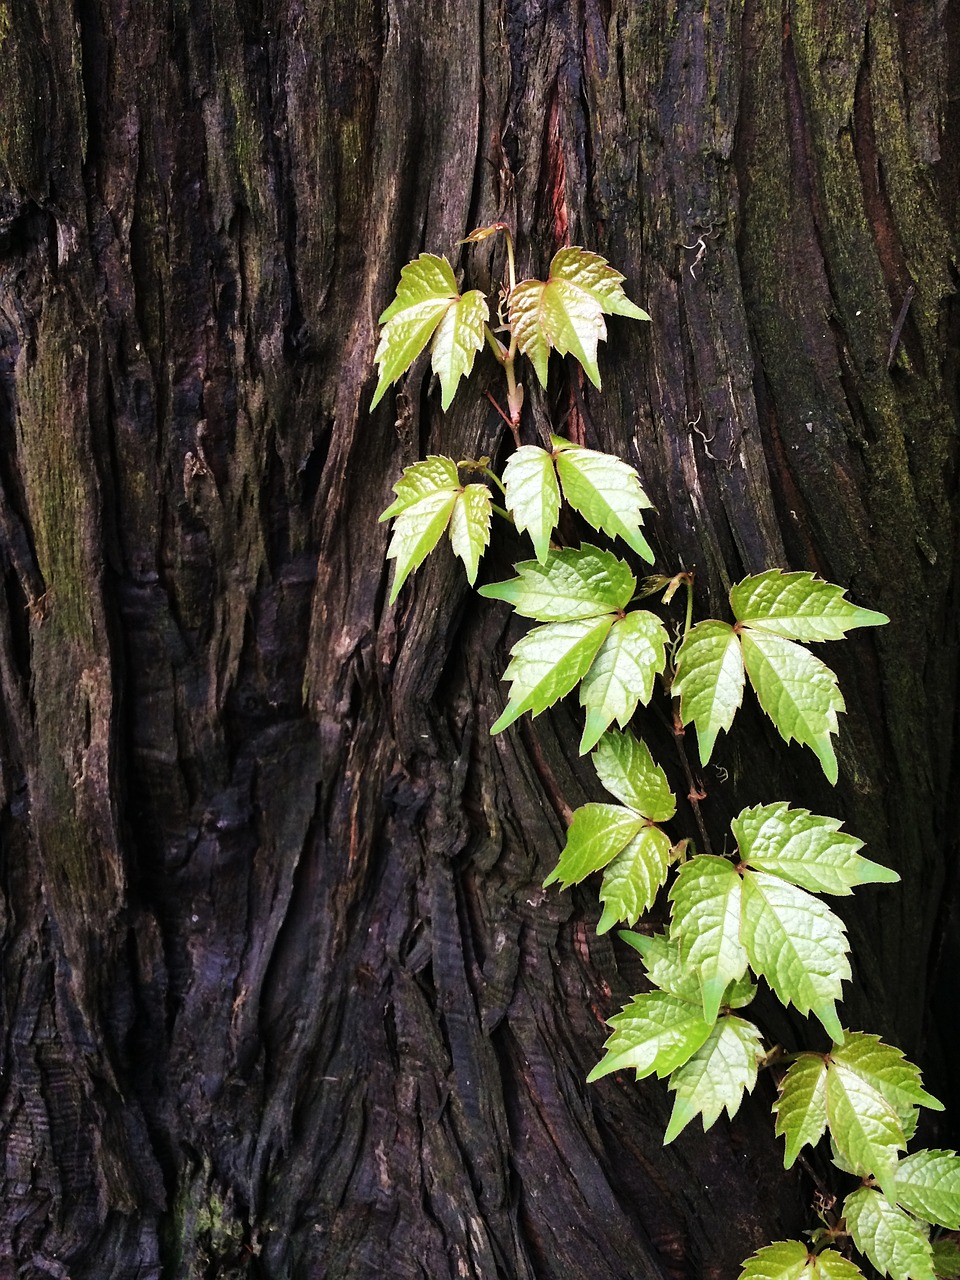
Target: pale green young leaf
{"points": [[622, 674], [566, 311], [533, 495], [797, 691], [830, 1265], [626, 768], [946, 1258], [715, 1077], [427, 290], [895, 1243], [740, 993], [632, 880], [797, 943], [927, 1184], [709, 681], [458, 338], [656, 1033], [886, 1069], [706, 922], [582, 582], [547, 662], [605, 490], [863, 1124], [801, 1106], [785, 1260], [416, 531], [661, 958], [808, 850], [798, 606], [595, 836], [430, 475], [470, 527]]}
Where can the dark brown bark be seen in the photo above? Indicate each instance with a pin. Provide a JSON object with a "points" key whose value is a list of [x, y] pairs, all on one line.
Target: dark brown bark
{"points": [[281, 993]]}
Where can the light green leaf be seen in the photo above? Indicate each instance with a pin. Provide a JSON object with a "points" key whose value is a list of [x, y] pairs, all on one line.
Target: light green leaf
{"points": [[790, 1260], [830, 1265], [656, 1033], [626, 769], [632, 880], [797, 943], [706, 922], [801, 1106], [797, 691], [566, 311], [661, 957], [458, 339], [533, 495], [927, 1184], [886, 1069], [805, 849], [740, 993], [798, 606], [430, 475], [863, 1124], [417, 530], [896, 1244], [605, 490], [547, 662], [716, 1076], [596, 835], [709, 681], [622, 674], [946, 1258], [470, 527], [427, 300], [573, 583]]}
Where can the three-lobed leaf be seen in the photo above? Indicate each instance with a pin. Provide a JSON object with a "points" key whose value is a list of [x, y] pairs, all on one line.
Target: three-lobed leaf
{"points": [[429, 305], [565, 312], [895, 1243], [792, 1260]]}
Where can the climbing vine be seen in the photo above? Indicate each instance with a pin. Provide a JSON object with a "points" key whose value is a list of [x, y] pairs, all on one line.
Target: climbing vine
{"points": [[754, 913]]}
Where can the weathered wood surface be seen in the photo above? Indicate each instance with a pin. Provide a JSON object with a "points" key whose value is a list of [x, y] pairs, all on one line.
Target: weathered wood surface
{"points": [[281, 995]]}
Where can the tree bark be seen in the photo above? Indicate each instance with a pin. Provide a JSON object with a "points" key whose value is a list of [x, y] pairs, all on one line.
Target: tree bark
{"points": [[281, 993]]}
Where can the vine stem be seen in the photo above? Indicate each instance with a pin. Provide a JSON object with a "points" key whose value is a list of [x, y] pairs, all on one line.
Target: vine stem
{"points": [[694, 793]]}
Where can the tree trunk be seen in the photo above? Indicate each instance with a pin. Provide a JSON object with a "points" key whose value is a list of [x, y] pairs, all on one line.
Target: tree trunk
{"points": [[281, 993]]}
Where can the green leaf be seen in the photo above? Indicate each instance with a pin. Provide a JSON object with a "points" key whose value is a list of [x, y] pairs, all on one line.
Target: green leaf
{"points": [[709, 681], [417, 531], [428, 302], [797, 691], [706, 921], [716, 1076], [797, 943], [428, 476], [566, 311], [863, 1124], [927, 1183], [655, 1033], [573, 583], [470, 527], [632, 880], [622, 674], [626, 768], [798, 606], [791, 1260], [885, 1069], [605, 490], [548, 662], [596, 835], [896, 1244], [533, 495], [801, 1106], [805, 849], [661, 957]]}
